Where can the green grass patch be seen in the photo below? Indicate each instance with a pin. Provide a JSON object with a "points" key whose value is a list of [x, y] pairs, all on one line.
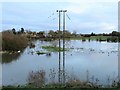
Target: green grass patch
{"points": [[54, 49], [97, 38], [40, 53]]}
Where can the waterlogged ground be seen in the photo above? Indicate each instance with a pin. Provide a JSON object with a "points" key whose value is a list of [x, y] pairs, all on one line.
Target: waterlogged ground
{"points": [[83, 60]]}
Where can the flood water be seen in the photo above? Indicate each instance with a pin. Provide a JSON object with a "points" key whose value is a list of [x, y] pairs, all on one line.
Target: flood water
{"points": [[98, 59]]}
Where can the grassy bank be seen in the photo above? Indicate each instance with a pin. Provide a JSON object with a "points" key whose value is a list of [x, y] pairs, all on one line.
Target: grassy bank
{"points": [[96, 38], [91, 38]]}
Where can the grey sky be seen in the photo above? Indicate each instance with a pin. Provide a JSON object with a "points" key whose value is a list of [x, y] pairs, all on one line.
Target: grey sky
{"points": [[86, 17]]}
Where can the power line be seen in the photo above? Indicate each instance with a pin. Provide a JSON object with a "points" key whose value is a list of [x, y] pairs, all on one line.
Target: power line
{"points": [[72, 24], [68, 17], [52, 16]]}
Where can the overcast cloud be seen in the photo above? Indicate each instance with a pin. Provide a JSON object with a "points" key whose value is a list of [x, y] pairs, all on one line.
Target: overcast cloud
{"points": [[98, 16]]}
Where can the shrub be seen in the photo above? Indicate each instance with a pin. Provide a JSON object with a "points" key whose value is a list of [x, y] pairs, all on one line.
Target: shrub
{"points": [[12, 42], [36, 79], [113, 39], [83, 39], [108, 39]]}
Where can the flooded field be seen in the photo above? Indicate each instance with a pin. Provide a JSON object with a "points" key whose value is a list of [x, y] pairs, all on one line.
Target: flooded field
{"points": [[83, 60]]}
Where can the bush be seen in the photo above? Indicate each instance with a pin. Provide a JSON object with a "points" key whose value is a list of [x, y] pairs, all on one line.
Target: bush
{"points": [[36, 79], [114, 39], [118, 39], [83, 39], [108, 39], [13, 42]]}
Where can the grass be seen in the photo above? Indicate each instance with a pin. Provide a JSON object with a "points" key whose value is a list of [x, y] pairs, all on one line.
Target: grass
{"points": [[99, 37], [53, 49], [91, 38], [37, 79], [40, 53]]}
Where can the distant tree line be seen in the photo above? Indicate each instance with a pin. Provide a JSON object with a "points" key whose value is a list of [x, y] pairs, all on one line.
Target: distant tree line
{"points": [[51, 35], [55, 34], [114, 33], [18, 40]]}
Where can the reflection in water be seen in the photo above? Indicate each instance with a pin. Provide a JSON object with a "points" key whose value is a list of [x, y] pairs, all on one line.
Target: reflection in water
{"points": [[39, 79], [7, 58], [100, 59]]}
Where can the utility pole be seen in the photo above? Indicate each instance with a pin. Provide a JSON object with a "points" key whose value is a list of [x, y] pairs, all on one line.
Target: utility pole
{"points": [[59, 27], [64, 11], [119, 44]]}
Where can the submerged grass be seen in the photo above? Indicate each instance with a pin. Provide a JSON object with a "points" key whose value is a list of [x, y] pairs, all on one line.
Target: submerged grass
{"points": [[53, 48], [40, 53]]}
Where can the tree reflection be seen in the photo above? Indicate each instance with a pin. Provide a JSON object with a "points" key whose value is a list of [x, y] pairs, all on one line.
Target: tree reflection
{"points": [[7, 58]]}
